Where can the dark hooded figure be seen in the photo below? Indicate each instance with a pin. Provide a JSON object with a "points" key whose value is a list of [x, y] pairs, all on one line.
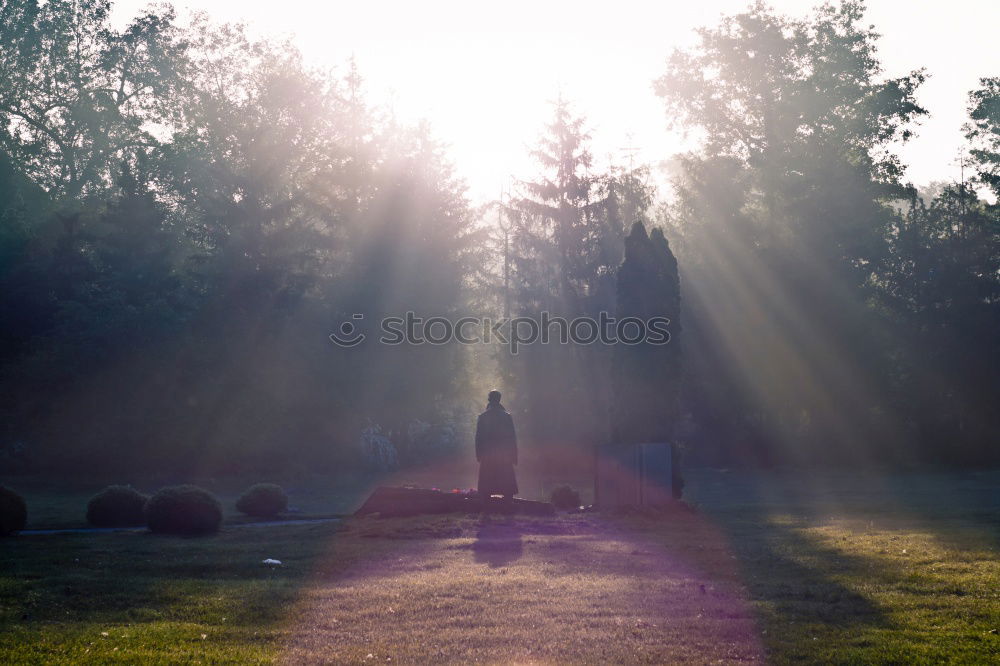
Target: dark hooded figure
{"points": [[496, 450]]}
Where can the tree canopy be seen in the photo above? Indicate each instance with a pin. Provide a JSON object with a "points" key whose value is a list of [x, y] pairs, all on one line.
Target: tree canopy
{"points": [[187, 212]]}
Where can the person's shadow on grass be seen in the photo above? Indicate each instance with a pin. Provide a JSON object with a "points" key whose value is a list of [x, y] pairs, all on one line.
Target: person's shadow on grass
{"points": [[498, 543]]}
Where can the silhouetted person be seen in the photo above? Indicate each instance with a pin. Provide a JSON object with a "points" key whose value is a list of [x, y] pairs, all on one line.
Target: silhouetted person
{"points": [[496, 451]]}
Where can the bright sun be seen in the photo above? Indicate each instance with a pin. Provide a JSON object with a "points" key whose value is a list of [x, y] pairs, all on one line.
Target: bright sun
{"points": [[483, 75]]}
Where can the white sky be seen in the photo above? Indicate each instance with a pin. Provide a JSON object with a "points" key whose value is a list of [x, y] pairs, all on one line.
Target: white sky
{"points": [[482, 72]]}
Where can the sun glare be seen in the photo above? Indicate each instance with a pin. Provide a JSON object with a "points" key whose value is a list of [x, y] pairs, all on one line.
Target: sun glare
{"points": [[483, 73]]}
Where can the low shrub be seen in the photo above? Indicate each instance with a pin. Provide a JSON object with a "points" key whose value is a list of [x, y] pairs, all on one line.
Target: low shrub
{"points": [[263, 500], [117, 506], [565, 497], [185, 510], [13, 512]]}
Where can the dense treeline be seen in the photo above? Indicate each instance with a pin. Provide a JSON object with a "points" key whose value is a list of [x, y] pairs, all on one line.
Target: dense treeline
{"points": [[186, 213], [834, 313]]}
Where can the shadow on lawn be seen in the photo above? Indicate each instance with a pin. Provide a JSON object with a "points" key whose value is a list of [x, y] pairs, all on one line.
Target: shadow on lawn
{"points": [[792, 537], [790, 581], [130, 577], [498, 543], [798, 579]]}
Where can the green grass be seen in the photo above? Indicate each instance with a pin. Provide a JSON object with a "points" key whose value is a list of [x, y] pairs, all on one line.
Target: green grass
{"points": [[67, 599], [777, 568]]}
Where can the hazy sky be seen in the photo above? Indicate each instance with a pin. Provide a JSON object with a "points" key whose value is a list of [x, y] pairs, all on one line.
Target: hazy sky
{"points": [[483, 72]]}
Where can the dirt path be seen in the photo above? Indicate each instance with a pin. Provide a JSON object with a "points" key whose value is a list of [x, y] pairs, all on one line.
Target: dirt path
{"points": [[521, 590]]}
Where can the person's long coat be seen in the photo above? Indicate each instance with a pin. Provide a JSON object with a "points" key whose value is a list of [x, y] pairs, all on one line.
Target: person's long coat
{"points": [[496, 451]]}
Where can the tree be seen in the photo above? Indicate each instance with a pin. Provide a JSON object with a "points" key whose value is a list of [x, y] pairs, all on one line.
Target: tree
{"points": [[245, 162], [567, 232], [782, 216], [413, 246], [553, 218], [219, 206], [25, 305], [983, 131], [942, 290], [77, 97]]}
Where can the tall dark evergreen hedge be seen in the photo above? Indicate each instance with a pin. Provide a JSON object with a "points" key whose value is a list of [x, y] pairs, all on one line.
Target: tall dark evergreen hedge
{"points": [[646, 376]]}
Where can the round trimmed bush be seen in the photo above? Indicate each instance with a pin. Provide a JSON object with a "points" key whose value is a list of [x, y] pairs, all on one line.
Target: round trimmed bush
{"points": [[565, 497], [13, 512], [263, 500], [117, 506], [186, 510]]}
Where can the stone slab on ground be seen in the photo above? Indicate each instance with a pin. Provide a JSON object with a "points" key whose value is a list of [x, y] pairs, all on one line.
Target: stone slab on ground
{"points": [[393, 502]]}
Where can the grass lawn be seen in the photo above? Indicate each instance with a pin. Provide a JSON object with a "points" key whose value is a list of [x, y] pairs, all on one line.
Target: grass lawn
{"points": [[773, 568]]}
